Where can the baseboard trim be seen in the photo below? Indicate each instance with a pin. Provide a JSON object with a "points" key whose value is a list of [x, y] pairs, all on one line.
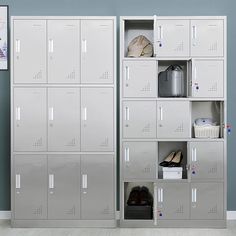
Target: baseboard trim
{"points": [[231, 215], [5, 215]]}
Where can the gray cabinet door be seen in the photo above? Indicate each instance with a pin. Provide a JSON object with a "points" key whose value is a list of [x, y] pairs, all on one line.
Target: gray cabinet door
{"points": [[208, 78], [98, 191], [63, 51], [139, 119], [30, 187], [30, 119], [97, 121], [29, 55], [207, 201], [173, 119], [173, 201], [139, 160], [139, 78], [64, 187], [63, 119], [97, 51], [207, 160]]}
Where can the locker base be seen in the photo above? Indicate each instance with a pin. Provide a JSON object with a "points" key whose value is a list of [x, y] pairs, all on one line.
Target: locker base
{"points": [[63, 223]]}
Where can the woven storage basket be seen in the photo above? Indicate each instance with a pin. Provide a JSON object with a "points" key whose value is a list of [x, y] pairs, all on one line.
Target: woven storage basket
{"points": [[206, 131]]}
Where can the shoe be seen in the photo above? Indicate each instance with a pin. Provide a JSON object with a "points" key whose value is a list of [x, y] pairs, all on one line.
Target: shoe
{"points": [[175, 162], [145, 197], [167, 160], [134, 196]]}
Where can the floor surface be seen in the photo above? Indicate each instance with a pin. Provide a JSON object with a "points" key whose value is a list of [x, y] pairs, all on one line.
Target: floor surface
{"points": [[6, 230]]}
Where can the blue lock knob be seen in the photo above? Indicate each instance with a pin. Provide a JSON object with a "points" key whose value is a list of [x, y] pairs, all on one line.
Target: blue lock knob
{"points": [[193, 172], [197, 87], [160, 214]]}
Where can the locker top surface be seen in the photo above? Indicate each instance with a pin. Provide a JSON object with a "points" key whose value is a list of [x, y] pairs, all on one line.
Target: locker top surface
{"points": [[173, 17], [63, 18]]}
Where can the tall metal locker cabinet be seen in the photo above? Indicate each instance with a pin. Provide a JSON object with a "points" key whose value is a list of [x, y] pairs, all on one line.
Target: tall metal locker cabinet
{"points": [[63, 121], [153, 125]]}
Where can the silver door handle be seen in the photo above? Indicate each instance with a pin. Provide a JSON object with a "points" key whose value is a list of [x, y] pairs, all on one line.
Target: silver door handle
{"points": [[160, 32], [160, 195], [84, 181], [84, 45], [194, 32], [126, 113], [126, 154], [155, 205], [17, 113], [50, 46], [160, 113], [51, 114], [194, 154], [195, 73], [17, 46], [194, 195], [84, 113], [18, 181], [127, 72], [51, 181]]}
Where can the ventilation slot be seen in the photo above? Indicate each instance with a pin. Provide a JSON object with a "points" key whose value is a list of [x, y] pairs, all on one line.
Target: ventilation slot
{"points": [[213, 88], [72, 143], [38, 211], [38, 143], [146, 88], [180, 128], [213, 210], [180, 210], [180, 47], [71, 211], [105, 76], [146, 128], [105, 142], [71, 75], [38, 75]]}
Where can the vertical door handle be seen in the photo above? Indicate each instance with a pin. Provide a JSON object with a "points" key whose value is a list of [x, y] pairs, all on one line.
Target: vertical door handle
{"points": [[160, 113], [194, 154], [51, 114], [18, 113], [194, 195], [17, 46], [160, 195], [84, 181], [50, 46], [194, 32], [160, 32], [195, 73], [155, 204], [51, 181], [84, 45], [127, 72], [18, 181], [84, 113], [126, 154], [126, 113]]}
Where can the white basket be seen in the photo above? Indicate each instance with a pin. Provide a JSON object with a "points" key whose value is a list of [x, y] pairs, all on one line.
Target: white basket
{"points": [[206, 131]]}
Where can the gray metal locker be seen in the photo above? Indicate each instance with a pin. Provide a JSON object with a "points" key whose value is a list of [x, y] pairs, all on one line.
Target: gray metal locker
{"points": [[30, 122], [206, 160], [63, 119], [97, 192], [207, 38], [97, 125], [63, 51], [207, 201], [139, 119], [140, 78], [139, 160], [97, 51], [207, 78], [173, 119], [64, 187], [29, 49], [30, 187], [172, 38]]}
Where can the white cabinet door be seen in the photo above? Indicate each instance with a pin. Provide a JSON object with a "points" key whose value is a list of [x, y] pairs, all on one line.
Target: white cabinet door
{"points": [[29, 55], [140, 78], [172, 38], [97, 56], [63, 51], [173, 119], [207, 78], [207, 38]]}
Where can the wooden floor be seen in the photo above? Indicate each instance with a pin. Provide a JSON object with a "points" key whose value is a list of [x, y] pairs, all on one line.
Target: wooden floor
{"points": [[6, 230]]}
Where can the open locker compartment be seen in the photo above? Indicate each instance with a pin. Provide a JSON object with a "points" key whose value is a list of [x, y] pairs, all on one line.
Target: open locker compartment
{"points": [[167, 147], [208, 109], [134, 28]]}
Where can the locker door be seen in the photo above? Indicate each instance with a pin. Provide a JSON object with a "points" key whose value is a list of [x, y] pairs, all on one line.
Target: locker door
{"points": [[97, 124], [97, 56], [30, 119], [139, 119], [207, 160], [173, 119], [97, 192], [63, 51], [140, 79], [207, 201], [30, 187], [29, 51], [207, 38], [139, 160], [208, 78], [63, 119], [173, 201], [64, 187], [172, 38]]}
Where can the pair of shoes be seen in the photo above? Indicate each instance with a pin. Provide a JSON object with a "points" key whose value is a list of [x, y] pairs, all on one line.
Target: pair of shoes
{"points": [[172, 160], [140, 196]]}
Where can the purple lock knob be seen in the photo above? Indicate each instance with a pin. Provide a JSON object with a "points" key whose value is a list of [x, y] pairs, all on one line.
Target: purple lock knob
{"points": [[197, 87], [160, 214], [193, 172]]}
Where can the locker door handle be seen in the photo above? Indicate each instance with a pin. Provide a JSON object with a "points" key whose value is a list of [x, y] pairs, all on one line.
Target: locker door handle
{"points": [[84, 181], [18, 113], [195, 73], [50, 46], [194, 32], [155, 205], [160, 32], [17, 46], [84, 113], [160, 113], [160, 195], [51, 114], [194, 155], [126, 154], [127, 72], [18, 181], [126, 113], [51, 181], [84, 45], [194, 195]]}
